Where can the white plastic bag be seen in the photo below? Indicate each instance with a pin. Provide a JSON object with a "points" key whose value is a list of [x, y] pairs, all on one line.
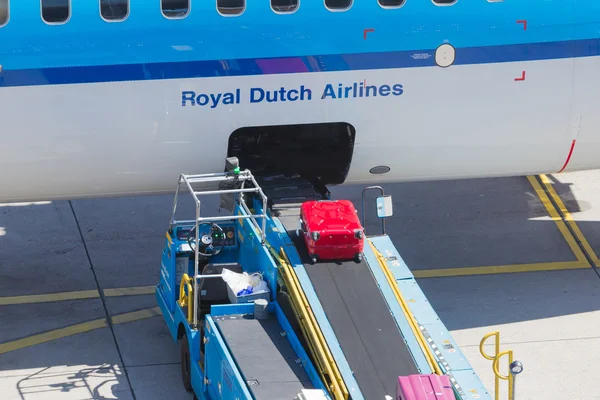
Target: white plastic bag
{"points": [[244, 282], [250, 284], [237, 282]]}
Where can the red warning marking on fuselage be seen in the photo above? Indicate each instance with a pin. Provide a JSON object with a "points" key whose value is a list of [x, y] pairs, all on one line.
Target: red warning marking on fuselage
{"points": [[524, 22], [522, 78], [367, 31], [568, 157]]}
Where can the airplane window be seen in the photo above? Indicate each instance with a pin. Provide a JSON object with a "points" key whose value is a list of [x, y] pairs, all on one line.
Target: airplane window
{"points": [[114, 10], [338, 4], [56, 11], [231, 7], [444, 1], [391, 3], [3, 12], [284, 6], [175, 8]]}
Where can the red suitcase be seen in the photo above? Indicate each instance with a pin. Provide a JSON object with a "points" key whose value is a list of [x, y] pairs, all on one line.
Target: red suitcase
{"points": [[332, 230]]}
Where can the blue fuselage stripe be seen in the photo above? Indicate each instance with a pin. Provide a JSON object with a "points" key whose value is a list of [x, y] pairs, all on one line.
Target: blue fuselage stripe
{"points": [[286, 65]]}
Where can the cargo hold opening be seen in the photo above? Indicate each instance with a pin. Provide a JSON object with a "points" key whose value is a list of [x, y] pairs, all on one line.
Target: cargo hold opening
{"points": [[318, 152]]}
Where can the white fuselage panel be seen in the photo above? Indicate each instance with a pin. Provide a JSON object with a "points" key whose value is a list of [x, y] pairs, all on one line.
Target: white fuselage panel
{"points": [[124, 138]]}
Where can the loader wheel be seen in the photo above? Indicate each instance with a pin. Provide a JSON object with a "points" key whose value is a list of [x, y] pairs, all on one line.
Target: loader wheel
{"points": [[185, 364], [358, 258], [313, 258]]}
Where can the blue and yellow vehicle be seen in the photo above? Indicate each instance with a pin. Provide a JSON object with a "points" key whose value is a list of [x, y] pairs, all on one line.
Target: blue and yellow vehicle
{"points": [[256, 320]]}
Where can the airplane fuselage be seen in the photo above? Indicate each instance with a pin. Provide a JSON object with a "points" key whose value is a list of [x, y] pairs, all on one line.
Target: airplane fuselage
{"points": [[90, 107]]}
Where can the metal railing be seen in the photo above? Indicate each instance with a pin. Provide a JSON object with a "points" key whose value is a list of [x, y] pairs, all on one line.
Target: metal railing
{"points": [[410, 318], [515, 367], [364, 219], [317, 345], [184, 299], [216, 178]]}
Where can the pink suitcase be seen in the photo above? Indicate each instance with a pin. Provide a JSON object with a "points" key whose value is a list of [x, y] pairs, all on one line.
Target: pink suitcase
{"points": [[424, 387]]}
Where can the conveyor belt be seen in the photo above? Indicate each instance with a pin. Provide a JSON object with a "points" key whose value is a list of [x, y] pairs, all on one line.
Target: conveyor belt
{"points": [[265, 357], [359, 316]]}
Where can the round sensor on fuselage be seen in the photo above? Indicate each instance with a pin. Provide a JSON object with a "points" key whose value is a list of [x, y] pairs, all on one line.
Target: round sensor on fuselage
{"points": [[445, 55]]}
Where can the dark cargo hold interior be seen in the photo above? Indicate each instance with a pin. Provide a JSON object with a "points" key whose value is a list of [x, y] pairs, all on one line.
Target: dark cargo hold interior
{"points": [[321, 152]]}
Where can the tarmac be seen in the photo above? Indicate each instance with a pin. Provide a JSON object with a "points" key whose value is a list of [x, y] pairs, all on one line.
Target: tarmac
{"points": [[78, 319]]}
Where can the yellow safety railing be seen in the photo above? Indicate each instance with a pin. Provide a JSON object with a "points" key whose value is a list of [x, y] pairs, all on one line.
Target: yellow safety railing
{"points": [[186, 299], [412, 321], [318, 348], [496, 364]]}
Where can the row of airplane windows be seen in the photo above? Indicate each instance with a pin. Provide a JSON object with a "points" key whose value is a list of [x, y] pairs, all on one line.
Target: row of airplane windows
{"points": [[59, 11]]}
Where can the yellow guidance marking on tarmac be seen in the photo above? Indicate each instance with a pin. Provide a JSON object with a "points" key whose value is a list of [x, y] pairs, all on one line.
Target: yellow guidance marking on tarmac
{"points": [[50, 297], [558, 220], [136, 315], [499, 269], [567, 215], [76, 329], [52, 335], [77, 295], [581, 262], [129, 291]]}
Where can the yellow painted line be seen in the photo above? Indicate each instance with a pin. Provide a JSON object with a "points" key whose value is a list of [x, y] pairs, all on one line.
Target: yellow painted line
{"points": [[50, 297], [500, 269], [130, 291], [52, 335], [76, 329], [581, 262], [136, 315], [76, 295], [558, 220], [563, 209]]}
